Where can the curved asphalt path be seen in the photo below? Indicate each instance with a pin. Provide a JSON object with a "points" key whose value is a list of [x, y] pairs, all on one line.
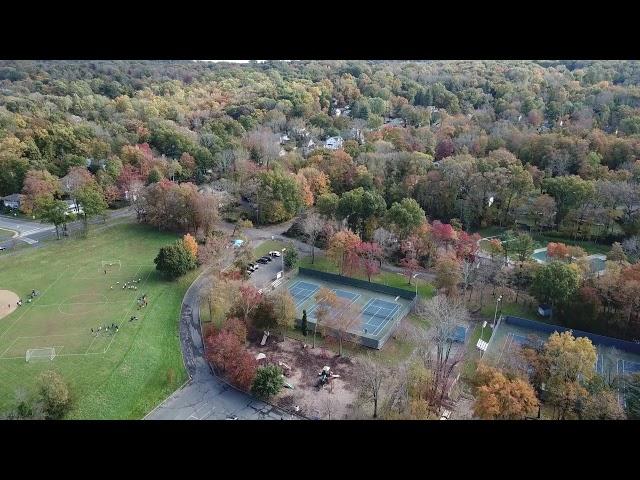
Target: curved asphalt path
{"points": [[205, 396]]}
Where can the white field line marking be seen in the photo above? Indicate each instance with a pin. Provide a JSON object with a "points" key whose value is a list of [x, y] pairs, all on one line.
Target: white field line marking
{"points": [[125, 315], [27, 309]]}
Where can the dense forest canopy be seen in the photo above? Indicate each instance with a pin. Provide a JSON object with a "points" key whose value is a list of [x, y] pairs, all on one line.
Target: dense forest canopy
{"points": [[450, 134]]}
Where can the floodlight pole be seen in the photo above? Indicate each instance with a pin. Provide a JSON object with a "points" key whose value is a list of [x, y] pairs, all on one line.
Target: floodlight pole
{"points": [[415, 275], [282, 258], [498, 300]]}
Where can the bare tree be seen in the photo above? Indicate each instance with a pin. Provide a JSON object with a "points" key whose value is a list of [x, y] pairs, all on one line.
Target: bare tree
{"points": [[263, 146], [469, 274], [344, 315], [371, 377], [325, 299], [312, 226], [387, 240], [437, 350], [328, 405]]}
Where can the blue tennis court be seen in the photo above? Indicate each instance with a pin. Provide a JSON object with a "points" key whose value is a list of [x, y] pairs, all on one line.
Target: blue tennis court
{"points": [[349, 296], [376, 313], [302, 291]]}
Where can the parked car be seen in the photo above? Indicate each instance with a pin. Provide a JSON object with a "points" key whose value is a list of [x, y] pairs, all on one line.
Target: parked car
{"points": [[2, 248], [249, 272], [267, 258], [261, 260], [274, 253]]}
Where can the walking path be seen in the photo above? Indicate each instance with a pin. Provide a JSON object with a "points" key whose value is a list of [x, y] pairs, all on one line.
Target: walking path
{"points": [[205, 396]]}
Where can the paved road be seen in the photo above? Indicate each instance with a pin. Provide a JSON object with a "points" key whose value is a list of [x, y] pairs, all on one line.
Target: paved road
{"points": [[23, 228], [32, 232], [206, 397]]}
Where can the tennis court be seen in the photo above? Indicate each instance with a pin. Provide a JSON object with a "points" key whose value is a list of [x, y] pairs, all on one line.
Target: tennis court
{"points": [[611, 362], [376, 314]]}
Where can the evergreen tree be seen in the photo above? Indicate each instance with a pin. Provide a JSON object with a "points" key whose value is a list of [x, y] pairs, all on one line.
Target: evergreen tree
{"points": [[303, 325]]}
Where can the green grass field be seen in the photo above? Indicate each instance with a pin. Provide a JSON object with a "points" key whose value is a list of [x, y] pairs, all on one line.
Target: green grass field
{"points": [[265, 247], [111, 376], [5, 234]]}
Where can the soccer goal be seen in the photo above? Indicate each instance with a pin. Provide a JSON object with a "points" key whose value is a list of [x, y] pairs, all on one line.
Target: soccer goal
{"points": [[34, 354], [111, 263]]}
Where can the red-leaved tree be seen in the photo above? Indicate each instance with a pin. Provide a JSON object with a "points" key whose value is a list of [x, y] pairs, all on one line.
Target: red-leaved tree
{"points": [[558, 251], [443, 233], [466, 246], [370, 255], [248, 300]]}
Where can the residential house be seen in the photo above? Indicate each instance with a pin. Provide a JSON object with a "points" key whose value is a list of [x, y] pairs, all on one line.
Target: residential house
{"points": [[12, 201], [284, 138], [333, 143]]}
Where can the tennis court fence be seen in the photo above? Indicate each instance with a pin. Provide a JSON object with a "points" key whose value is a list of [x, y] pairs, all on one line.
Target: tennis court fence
{"points": [[595, 338], [354, 282]]}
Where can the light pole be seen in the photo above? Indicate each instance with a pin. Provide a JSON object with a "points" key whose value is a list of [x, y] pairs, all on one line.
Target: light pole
{"points": [[484, 324], [499, 299], [415, 275], [282, 258]]}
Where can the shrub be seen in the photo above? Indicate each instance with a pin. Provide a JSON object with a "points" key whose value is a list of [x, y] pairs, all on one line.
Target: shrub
{"points": [[54, 394], [174, 260], [268, 381]]}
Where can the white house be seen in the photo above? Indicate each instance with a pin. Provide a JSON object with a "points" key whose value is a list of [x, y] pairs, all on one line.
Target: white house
{"points": [[12, 201], [333, 143]]}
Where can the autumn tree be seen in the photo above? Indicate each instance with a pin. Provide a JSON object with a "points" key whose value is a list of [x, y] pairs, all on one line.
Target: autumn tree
{"points": [[344, 314], [370, 255], [285, 309], [616, 254], [557, 251], [601, 403], [501, 398], [448, 273], [325, 300], [54, 394], [437, 352], [39, 186], [565, 365], [279, 198], [190, 245], [342, 249], [247, 301], [444, 234]]}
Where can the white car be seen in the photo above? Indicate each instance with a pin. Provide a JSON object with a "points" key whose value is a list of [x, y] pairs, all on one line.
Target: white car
{"points": [[2, 248], [274, 253]]}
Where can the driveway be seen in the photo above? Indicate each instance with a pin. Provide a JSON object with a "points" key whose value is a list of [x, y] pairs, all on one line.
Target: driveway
{"points": [[205, 396]]}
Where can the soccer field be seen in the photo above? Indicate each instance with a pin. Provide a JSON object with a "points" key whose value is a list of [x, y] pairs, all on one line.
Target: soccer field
{"points": [[121, 374]]}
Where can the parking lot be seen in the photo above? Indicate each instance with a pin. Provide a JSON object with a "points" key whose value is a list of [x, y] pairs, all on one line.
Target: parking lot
{"points": [[266, 273]]}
